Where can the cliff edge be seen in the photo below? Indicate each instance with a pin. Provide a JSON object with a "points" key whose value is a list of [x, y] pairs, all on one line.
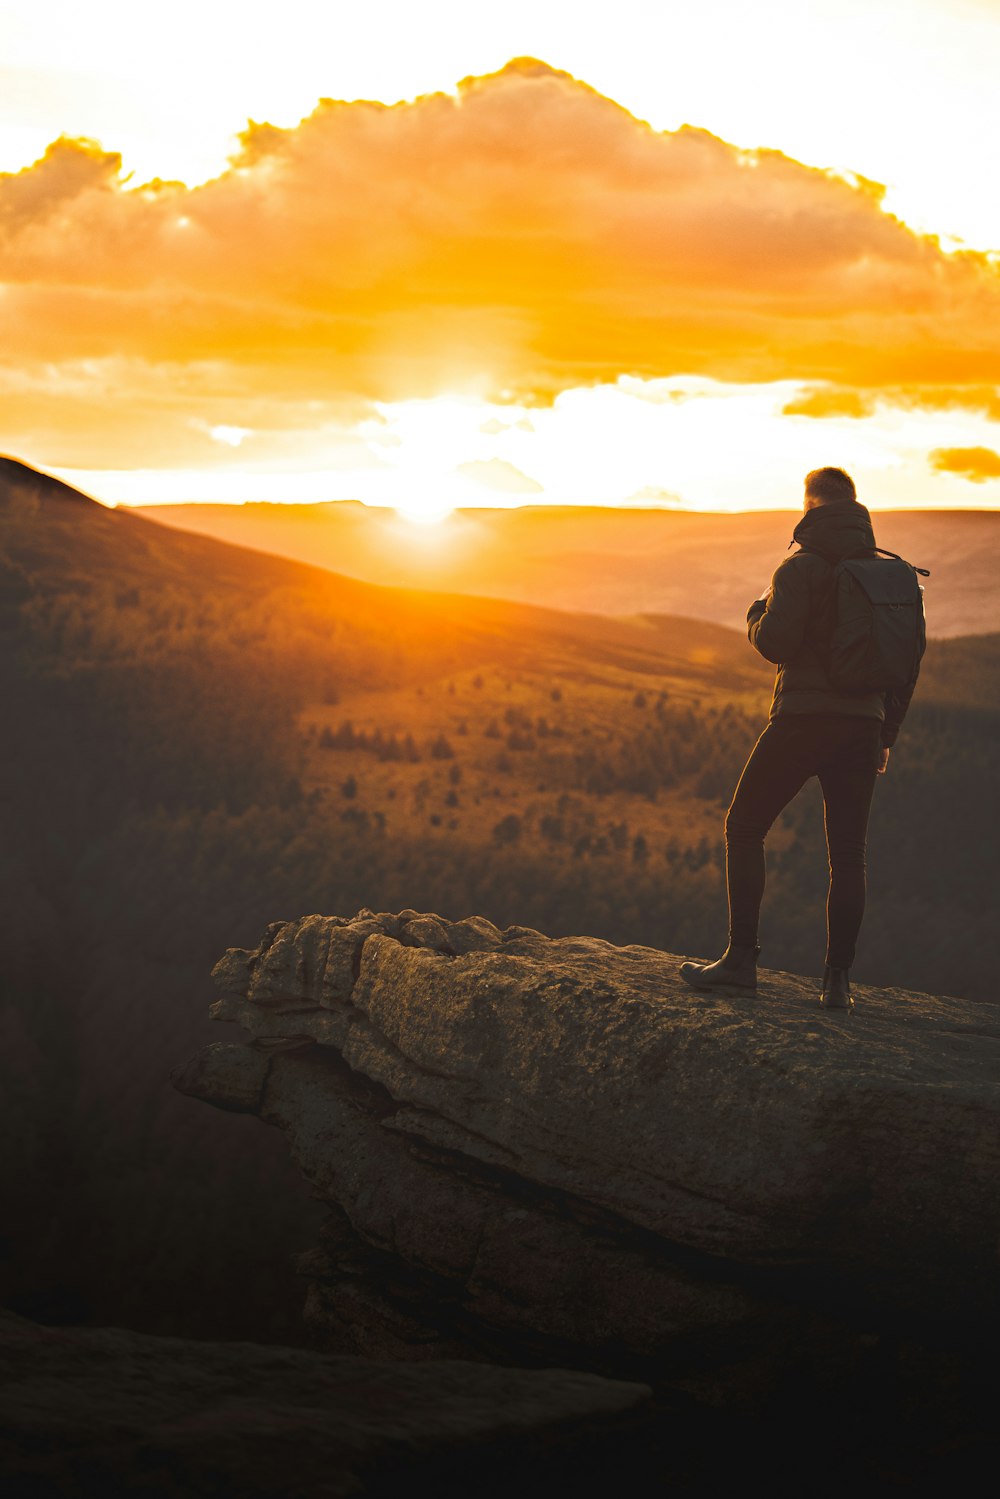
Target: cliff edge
{"points": [[544, 1145]]}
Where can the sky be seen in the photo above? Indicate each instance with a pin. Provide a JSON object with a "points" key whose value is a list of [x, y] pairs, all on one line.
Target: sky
{"points": [[438, 255]]}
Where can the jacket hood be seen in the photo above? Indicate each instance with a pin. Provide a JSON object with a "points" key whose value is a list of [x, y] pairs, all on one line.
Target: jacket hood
{"points": [[837, 529]]}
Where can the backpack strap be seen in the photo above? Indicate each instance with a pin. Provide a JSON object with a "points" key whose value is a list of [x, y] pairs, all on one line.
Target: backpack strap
{"points": [[826, 556], [864, 552]]}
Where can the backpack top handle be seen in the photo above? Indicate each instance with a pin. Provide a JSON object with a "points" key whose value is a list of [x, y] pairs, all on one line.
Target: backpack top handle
{"points": [[924, 572]]}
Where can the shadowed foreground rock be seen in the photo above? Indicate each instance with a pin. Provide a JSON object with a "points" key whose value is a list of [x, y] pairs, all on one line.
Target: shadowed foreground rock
{"points": [[110, 1412], [538, 1144]]}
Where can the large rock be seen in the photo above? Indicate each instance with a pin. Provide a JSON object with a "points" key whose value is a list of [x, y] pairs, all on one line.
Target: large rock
{"points": [[539, 1143], [107, 1412]]}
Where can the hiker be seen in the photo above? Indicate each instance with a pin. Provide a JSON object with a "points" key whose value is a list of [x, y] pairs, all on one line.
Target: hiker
{"points": [[815, 726]]}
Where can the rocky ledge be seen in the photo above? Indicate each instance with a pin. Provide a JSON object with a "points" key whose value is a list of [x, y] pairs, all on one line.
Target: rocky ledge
{"points": [[532, 1144]]}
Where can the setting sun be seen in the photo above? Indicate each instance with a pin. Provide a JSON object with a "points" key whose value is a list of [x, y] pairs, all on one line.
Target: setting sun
{"points": [[427, 512]]}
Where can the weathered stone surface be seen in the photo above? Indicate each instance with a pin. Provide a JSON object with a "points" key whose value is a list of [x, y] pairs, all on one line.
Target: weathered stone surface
{"points": [[473, 934], [233, 1077], [110, 1412], [425, 931], [556, 1138]]}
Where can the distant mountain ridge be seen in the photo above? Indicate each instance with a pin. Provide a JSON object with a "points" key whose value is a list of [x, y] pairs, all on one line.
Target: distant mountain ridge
{"points": [[605, 559]]}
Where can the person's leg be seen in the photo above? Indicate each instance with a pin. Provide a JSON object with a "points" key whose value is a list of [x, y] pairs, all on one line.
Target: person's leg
{"points": [[847, 777], [781, 762]]}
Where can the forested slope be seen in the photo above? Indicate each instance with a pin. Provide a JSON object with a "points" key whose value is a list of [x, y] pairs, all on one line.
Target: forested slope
{"points": [[199, 740]]}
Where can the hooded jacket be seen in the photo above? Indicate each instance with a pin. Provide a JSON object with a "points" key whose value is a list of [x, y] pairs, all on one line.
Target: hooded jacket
{"points": [[791, 626]]}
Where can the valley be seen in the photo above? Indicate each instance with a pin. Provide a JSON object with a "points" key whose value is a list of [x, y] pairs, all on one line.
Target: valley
{"points": [[609, 560], [201, 739]]}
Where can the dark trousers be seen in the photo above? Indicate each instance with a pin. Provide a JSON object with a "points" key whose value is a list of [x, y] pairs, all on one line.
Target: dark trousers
{"points": [[843, 752]]}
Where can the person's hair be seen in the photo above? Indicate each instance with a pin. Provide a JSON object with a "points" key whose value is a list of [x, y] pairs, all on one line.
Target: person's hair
{"points": [[830, 484]]}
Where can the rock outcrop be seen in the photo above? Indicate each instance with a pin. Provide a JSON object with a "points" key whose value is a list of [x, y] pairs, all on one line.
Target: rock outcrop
{"points": [[539, 1144], [89, 1411]]}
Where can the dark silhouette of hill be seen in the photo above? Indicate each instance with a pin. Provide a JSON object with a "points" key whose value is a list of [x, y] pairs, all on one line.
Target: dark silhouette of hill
{"points": [[199, 739], [27, 487], [609, 559]]}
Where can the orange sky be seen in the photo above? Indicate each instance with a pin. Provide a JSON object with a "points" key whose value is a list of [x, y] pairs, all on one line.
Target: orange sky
{"points": [[517, 239]]}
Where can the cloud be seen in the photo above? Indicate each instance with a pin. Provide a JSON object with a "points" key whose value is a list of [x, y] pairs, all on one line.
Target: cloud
{"points": [[518, 238], [68, 172], [983, 400], [494, 426], [832, 401], [232, 437], [975, 464], [655, 497], [129, 413], [842, 400], [496, 473]]}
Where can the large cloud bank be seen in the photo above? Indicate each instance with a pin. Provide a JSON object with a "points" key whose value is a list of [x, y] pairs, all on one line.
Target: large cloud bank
{"points": [[518, 238]]}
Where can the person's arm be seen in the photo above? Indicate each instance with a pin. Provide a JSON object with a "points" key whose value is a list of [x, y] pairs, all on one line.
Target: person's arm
{"points": [[776, 624], [896, 704]]}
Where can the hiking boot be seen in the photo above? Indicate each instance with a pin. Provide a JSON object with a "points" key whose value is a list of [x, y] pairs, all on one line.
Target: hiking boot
{"points": [[836, 993], [736, 969]]}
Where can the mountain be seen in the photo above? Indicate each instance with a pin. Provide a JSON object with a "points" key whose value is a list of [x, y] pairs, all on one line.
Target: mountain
{"points": [[609, 560], [200, 738], [223, 597], [163, 773]]}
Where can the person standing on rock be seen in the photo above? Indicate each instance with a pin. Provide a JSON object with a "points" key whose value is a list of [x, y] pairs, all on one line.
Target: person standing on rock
{"points": [[816, 729]]}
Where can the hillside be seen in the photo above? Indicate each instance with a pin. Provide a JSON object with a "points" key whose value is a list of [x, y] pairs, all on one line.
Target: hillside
{"points": [[199, 739], [229, 597], [611, 560]]}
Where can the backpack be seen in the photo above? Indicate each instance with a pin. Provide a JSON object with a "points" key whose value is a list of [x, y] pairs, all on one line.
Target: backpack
{"points": [[879, 632]]}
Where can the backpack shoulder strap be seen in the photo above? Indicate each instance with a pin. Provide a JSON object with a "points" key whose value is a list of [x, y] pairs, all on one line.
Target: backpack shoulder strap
{"points": [[816, 552], [864, 552]]}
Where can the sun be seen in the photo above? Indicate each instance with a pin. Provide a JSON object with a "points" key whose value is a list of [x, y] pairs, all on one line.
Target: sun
{"points": [[424, 510]]}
